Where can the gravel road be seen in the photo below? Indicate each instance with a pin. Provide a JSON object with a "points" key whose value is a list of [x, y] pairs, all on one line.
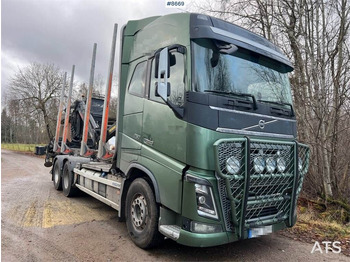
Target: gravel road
{"points": [[40, 224]]}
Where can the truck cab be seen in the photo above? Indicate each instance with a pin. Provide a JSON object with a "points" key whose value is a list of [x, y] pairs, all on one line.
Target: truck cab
{"points": [[206, 150]]}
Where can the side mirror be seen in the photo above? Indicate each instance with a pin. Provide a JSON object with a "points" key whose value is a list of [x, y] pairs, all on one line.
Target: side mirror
{"points": [[168, 90], [163, 71], [225, 48], [156, 71]]}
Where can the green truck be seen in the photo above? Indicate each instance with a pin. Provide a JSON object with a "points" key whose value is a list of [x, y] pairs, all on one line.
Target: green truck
{"points": [[205, 146]]}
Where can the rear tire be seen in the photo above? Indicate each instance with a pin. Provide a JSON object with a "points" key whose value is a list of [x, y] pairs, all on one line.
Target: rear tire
{"points": [[57, 176], [67, 182], [142, 215]]}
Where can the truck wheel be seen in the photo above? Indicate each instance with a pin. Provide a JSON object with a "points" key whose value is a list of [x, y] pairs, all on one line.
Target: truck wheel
{"points": [[67, 182], [57, 179], [142, 215]]}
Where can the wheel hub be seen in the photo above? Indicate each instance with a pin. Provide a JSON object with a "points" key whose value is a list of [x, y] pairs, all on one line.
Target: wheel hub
{"points": [[139, 211]]}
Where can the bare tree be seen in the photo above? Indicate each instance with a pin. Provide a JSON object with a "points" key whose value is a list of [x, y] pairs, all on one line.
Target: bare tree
{"points": [[6, 123], [36, 86]]}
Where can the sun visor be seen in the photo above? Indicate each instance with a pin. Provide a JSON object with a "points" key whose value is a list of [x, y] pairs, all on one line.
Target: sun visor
{"points": [[203, 26]]}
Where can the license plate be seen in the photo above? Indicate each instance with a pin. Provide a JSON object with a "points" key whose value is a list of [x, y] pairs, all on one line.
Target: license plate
{"points": [[259, 231]]}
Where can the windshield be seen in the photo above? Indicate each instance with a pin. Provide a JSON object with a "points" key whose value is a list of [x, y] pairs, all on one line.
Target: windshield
{"points": [[243, 72]]}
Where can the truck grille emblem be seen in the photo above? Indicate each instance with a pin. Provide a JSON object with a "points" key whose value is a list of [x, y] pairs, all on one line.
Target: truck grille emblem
{"points": [[262, 124]]}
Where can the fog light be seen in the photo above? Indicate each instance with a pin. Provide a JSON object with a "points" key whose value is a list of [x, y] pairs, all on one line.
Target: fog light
{"points": [[270, 164], [233, 165], [281, 165], [201, 200], [259, 164], [202, 228]]}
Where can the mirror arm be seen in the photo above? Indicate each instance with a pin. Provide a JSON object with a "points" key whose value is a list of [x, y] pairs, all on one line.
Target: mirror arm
{"points": [[179, 111]]}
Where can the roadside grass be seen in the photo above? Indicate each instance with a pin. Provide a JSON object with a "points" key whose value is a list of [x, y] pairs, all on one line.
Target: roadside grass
{"points": [[30, 148], [318, 224]]}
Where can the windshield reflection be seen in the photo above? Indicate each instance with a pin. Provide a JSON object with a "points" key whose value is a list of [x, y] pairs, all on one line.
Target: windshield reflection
{"points": [[242, 72]]}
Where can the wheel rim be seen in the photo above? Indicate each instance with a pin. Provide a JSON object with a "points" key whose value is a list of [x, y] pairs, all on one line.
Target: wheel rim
{"points": [[139, 211], [56, 175], [65, 180]]}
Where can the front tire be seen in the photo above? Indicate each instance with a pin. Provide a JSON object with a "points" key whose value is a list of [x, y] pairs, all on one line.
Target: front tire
{"points": [[67, 182], [57, 178], [142, 215]]}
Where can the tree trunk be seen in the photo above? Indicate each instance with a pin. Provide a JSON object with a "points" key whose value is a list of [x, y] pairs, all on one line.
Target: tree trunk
{"points": [[47, 124]]}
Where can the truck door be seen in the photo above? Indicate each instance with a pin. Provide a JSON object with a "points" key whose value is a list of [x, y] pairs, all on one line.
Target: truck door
{"points": [[164, 134], [162, 130], [133, 112]]}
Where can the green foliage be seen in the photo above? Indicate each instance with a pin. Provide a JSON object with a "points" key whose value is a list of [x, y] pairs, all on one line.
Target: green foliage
{"points": [[316, 221], [20, 147]]}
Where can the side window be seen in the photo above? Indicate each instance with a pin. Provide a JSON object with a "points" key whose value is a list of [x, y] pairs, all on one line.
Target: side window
{"points": [[137, 82], [176, 80]]}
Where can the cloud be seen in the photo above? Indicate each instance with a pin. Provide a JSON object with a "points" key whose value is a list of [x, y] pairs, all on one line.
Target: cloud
{"points": [[63, 32]]}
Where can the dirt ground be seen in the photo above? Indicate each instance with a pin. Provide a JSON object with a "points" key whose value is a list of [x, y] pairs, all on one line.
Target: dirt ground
{"points": [[39, 224]]}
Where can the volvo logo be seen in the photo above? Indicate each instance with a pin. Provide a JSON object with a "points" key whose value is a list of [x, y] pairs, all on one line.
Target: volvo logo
{"points": [[262, 124]]}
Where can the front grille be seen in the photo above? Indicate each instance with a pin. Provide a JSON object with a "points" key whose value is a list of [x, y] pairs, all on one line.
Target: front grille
{"points": [[266, 211], [258, 197], [269, 195]]}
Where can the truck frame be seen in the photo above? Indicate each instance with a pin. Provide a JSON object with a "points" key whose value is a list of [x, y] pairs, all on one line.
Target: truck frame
{"points": [[205, 145]]}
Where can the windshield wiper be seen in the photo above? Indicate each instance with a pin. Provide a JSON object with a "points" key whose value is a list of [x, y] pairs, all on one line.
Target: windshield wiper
{"points": [[234, 94], [280, 104]]}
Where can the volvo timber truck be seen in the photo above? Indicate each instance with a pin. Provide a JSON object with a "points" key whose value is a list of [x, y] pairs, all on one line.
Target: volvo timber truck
{"points": [[205, 150]]}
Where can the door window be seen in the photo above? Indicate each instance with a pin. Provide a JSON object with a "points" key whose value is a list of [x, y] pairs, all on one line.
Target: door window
{"points": [[137, 82]]}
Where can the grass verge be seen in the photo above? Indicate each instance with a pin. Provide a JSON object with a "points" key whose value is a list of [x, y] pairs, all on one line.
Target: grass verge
{"points": [[319, 225], [30, 148]]}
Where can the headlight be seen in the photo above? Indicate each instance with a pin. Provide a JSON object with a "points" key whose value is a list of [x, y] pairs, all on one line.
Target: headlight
{"points": [[259, 164], [281, 165], [204, 194], [270, 164], [205, 201], [300, 164], [233, 165]]}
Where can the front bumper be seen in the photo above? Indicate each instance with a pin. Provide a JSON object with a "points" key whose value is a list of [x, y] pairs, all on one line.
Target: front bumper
{"points": [[246, 201], [215, 239], [202, 240]]}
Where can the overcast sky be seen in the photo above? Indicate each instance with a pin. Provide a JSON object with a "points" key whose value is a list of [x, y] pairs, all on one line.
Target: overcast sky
{"points": [[63, 32]]}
